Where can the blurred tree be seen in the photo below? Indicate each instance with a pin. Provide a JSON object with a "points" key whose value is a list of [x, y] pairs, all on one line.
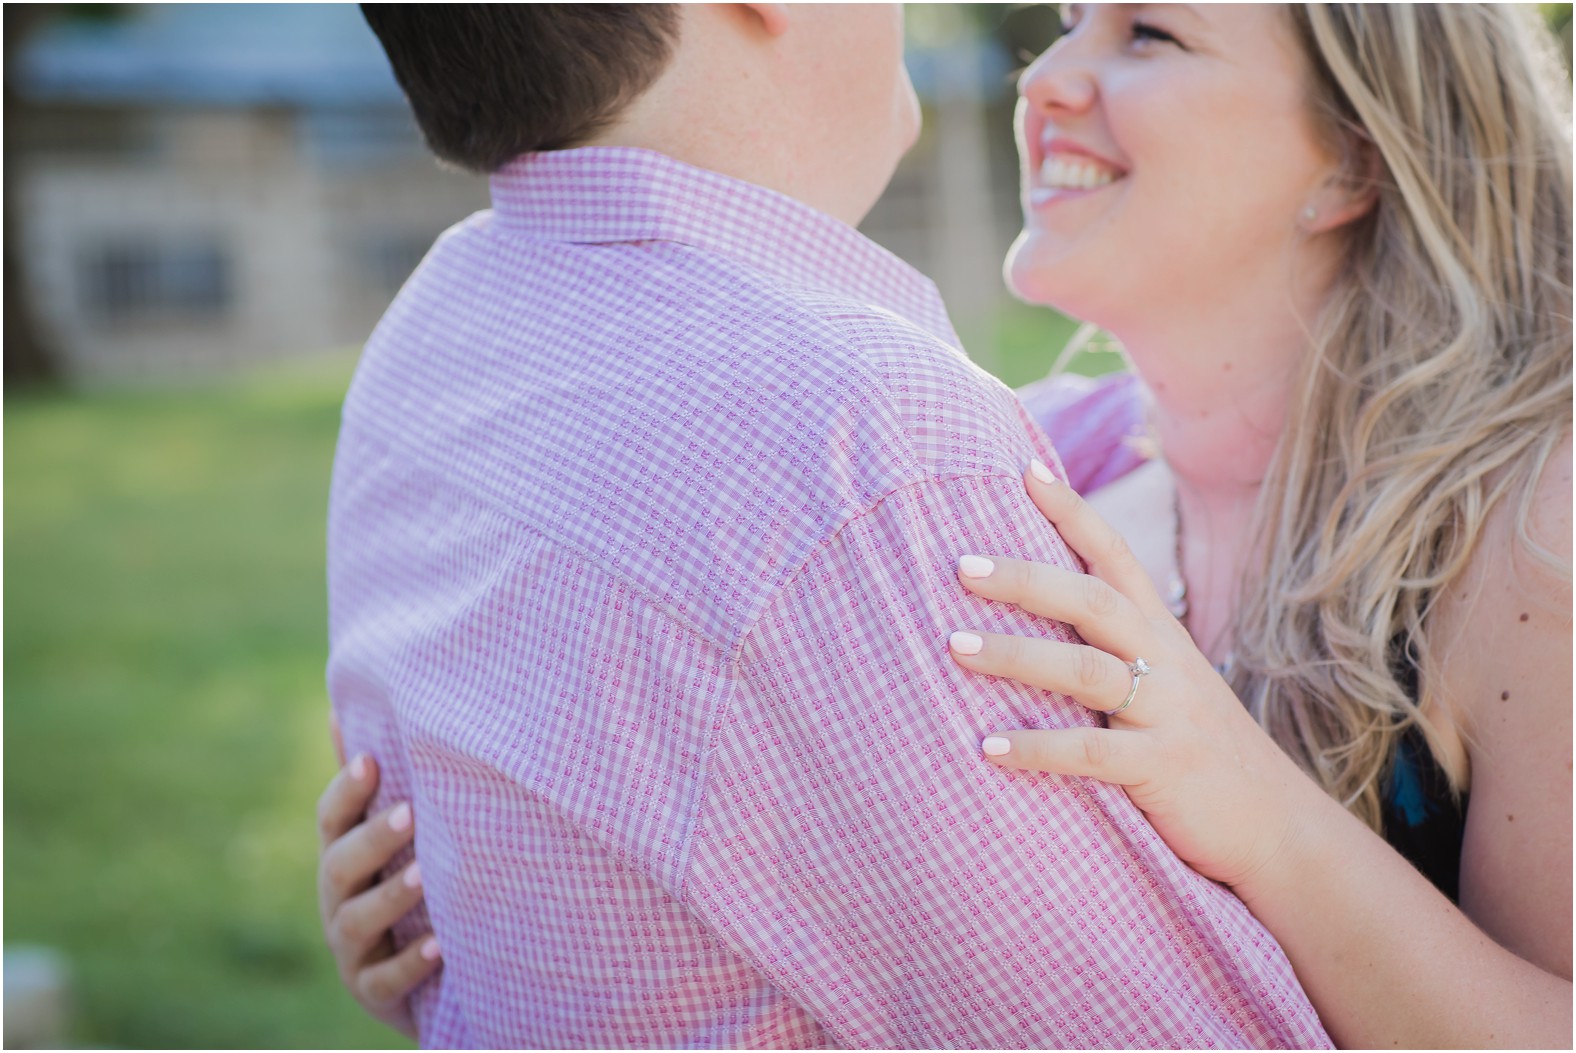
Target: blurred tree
{"points": [[1025, 29], [29, 359]]}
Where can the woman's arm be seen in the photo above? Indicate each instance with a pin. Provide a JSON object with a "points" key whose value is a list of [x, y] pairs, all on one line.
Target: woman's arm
{"points": [[1505, 636], [1386, 958]]}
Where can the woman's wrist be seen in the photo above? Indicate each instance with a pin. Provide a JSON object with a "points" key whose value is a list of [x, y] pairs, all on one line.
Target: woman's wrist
{"points": [[1300, 840]]}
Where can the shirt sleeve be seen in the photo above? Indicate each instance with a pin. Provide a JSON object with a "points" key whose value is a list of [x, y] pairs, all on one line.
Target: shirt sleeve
{"points": [[1097, 424], [853, 844]]}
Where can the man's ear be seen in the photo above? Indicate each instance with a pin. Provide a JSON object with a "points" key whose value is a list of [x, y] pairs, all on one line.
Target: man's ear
{"points": [[772, 17], [1348, 195]]}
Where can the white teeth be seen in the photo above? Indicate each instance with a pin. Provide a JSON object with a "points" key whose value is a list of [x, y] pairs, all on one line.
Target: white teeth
{"points": [[1063, 173]]}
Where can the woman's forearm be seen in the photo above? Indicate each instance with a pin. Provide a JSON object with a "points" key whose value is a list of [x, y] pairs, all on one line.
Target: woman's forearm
{"points": [[1386, 959]]}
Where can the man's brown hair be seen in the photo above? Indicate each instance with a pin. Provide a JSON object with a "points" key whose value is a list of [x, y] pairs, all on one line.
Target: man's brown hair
{"points": [[489, 82]]}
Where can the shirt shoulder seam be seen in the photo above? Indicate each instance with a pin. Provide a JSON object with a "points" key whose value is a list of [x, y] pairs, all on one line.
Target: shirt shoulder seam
{"points": [[728, 711]]}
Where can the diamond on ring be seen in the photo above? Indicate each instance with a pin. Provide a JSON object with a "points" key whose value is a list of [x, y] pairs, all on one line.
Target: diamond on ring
{"points": [[1140, 669]]}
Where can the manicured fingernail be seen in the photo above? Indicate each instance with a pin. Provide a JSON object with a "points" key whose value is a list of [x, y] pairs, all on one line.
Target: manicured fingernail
{"points": [[429, 950], [976, 567], [413, 876], [995, 745], [1042, 473], [966, 643], [358, 767], [399, 818]]}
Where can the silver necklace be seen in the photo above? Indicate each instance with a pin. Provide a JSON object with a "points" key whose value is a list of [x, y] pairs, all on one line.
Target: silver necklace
{"points": [[1176, 588]]}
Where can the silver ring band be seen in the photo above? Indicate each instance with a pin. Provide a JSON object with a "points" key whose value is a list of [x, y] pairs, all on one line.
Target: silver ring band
{"points": [[1140, 669]]}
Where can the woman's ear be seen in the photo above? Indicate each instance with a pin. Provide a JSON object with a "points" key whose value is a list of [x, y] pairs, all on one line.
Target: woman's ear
{"points": [[1350, 194]]}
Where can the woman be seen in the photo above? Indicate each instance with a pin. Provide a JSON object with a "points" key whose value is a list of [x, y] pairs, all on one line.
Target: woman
{"points": [[1360, 381], [1334, 243]]}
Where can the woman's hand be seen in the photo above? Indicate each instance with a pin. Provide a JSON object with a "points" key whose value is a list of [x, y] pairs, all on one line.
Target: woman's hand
{"points": [[1216, 788], [356, 914]]}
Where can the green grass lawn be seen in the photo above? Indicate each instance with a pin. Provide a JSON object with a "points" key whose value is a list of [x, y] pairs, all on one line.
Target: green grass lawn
{"points": [[165, 714], [165, 734]]}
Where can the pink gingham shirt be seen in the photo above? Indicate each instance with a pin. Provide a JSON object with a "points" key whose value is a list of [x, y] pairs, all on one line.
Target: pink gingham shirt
{"points": [[642, 542]]}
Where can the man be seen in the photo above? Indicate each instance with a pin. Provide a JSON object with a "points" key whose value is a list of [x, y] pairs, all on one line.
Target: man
{"points": [[645, 513]]}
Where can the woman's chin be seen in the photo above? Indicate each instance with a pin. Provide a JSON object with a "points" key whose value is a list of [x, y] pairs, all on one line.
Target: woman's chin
{"points": [[1036, 273]]}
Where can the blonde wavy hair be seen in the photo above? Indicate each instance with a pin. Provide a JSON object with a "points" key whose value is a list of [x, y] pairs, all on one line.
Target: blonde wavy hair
{"points": [[1439, 382]]}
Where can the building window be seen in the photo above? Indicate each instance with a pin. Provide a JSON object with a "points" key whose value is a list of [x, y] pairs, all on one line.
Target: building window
{"points": [[129, 280]]}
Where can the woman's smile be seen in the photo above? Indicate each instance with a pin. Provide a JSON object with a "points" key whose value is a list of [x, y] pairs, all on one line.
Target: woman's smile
{"points": [[1068, 170]]}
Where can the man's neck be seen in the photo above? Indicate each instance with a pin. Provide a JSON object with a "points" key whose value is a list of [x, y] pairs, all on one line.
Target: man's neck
{"points": [[714, 108], [748, 158]]}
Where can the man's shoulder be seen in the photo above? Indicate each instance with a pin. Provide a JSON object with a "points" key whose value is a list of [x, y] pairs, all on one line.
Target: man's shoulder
{"points": [[930, 380], [871, 398], [686, 420], [846, 357]]}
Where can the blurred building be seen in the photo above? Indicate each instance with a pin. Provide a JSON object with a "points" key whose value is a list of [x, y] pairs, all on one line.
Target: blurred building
{"points": [[204, 185]]}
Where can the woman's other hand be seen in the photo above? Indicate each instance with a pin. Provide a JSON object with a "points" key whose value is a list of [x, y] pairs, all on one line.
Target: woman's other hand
{"points": [[358, 914], [1217, 789]]}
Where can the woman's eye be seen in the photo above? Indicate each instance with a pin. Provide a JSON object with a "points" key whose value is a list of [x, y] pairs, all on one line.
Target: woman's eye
{"points": [[1145, 31]]}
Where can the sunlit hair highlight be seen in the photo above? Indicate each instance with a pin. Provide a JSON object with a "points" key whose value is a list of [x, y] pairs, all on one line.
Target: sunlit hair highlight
{"points": [[1439, 382]]}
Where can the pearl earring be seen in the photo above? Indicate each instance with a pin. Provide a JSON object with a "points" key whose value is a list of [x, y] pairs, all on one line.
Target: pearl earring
{"points": [[1310, 214]]}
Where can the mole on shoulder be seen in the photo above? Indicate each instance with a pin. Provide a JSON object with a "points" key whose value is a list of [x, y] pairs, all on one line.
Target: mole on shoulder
{"points": [[1504, 696], [1523, 615], [1510, 818]]}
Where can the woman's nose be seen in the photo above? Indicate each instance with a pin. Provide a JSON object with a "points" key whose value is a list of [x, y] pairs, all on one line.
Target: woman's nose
{"points": [[1060, 80]]}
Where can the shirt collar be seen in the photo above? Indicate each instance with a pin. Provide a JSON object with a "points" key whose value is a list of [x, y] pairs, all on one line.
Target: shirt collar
{"points": [[607, 194]]}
